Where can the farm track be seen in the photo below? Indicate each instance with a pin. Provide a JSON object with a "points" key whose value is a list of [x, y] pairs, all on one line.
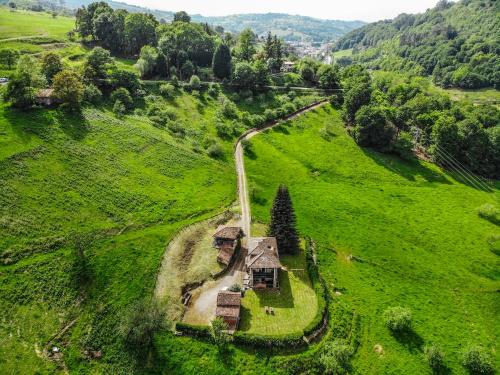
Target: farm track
{"points": [[240, 165]]}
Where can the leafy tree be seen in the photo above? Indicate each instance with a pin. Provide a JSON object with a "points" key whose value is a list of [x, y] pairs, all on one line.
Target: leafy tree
{"points": [[8, 57], [83, 23], [218, 332], [51, 65], [372, 128], [282, 224], [246, 45], [68, 88], [307, 73], [147, 61], [95, 67], [124, 78], [357, 94], [403, 145], [477, 361], [336, 358], [140, 30], [328, 77], [261, 73], [143, 322], [161, 65], [182, 17], [398, 319], [25, 82], [92, 94], [187, 69], [244, 76], [221, 63], [476, 146], [122, 94], [445, 136]]}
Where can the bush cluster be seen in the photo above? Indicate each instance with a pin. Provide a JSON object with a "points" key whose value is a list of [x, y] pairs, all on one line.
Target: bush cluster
{"points": [[398, 319]]}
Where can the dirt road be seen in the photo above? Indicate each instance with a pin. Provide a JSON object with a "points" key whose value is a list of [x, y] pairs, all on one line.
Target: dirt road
{"points": [[240, 166]]}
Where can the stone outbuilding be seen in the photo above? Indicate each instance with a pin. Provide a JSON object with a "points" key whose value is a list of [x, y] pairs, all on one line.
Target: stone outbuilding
{"points": [[262, 263], [228, 308], [227, 240]]}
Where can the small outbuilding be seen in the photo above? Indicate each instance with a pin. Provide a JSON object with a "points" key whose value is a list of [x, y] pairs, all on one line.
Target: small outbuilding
{"points": [[287, 66], [227, 239], [228, 308], [46, 97]]}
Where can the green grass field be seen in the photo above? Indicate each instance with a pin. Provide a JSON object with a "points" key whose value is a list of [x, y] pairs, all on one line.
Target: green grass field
{"points": [[294, 306], [24, 24], [123, 183], [483, 96], [412, 230]]}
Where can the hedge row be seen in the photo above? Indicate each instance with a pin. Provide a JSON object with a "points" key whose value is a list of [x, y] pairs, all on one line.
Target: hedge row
{"points": [[291, 340], [193, 330], [320, 289]]}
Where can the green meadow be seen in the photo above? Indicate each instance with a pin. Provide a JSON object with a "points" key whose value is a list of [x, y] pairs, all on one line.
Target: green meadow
{"points": [[389, 233], [120, 188]]}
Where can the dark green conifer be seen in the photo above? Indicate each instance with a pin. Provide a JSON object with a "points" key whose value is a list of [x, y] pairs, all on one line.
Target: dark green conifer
{"points": [[221, 63], [282, 224]]}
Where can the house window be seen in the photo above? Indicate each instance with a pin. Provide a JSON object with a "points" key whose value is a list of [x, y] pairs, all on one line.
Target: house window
{"points": [[257, 269], [268, 270]]}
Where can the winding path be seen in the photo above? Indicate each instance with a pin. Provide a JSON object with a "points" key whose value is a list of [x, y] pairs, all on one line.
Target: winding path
{"points": [[240, 165]]}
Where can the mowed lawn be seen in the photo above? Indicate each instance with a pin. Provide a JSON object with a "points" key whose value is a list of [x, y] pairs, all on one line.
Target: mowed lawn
{"points": [[413, 231], [294, 306]]}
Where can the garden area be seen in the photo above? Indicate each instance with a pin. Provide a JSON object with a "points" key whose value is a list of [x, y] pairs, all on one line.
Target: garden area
{"points": [[294, 306]]}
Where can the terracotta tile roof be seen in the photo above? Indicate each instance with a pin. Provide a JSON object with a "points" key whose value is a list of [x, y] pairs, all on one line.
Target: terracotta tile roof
{"points": [[231, 233], [45, 93], [228, 311], [225, 254], [228, 298]]}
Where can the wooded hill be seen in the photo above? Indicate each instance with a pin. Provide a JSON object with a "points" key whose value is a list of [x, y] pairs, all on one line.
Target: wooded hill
{"points": [[289, 27], [457, 43]]}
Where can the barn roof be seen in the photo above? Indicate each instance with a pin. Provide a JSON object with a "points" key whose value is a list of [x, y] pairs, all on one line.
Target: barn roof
{"points": [[230, 233], [228, 298], [45, 93], [228, 311], [226, 254], [263, 253]]}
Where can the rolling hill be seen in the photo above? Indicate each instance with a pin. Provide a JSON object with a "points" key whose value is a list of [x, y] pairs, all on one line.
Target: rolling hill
{"points": [[289, 27], [457, 43]]}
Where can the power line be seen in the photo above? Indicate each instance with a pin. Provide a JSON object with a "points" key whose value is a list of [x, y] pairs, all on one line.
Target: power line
{"points": [[471, 175], [455, 169]]}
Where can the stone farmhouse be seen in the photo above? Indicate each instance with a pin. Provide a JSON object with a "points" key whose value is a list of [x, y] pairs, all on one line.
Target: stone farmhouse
{"points": [[262, 263]]}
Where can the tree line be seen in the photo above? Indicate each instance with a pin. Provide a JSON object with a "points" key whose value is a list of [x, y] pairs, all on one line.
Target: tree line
{"points": [[392, 116]]}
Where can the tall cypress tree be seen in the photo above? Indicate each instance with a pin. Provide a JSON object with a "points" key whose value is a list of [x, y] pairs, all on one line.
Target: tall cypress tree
{"points": [[283, 222], [221, 63]]}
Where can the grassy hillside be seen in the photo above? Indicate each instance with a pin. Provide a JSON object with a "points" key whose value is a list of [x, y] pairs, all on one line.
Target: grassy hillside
{"points": [[119, 189], [389, 233], [38, 32], [455, 42]]}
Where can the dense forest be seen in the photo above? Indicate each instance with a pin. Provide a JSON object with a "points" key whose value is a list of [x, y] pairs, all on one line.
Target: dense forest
{"points": [[457, 43]]}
